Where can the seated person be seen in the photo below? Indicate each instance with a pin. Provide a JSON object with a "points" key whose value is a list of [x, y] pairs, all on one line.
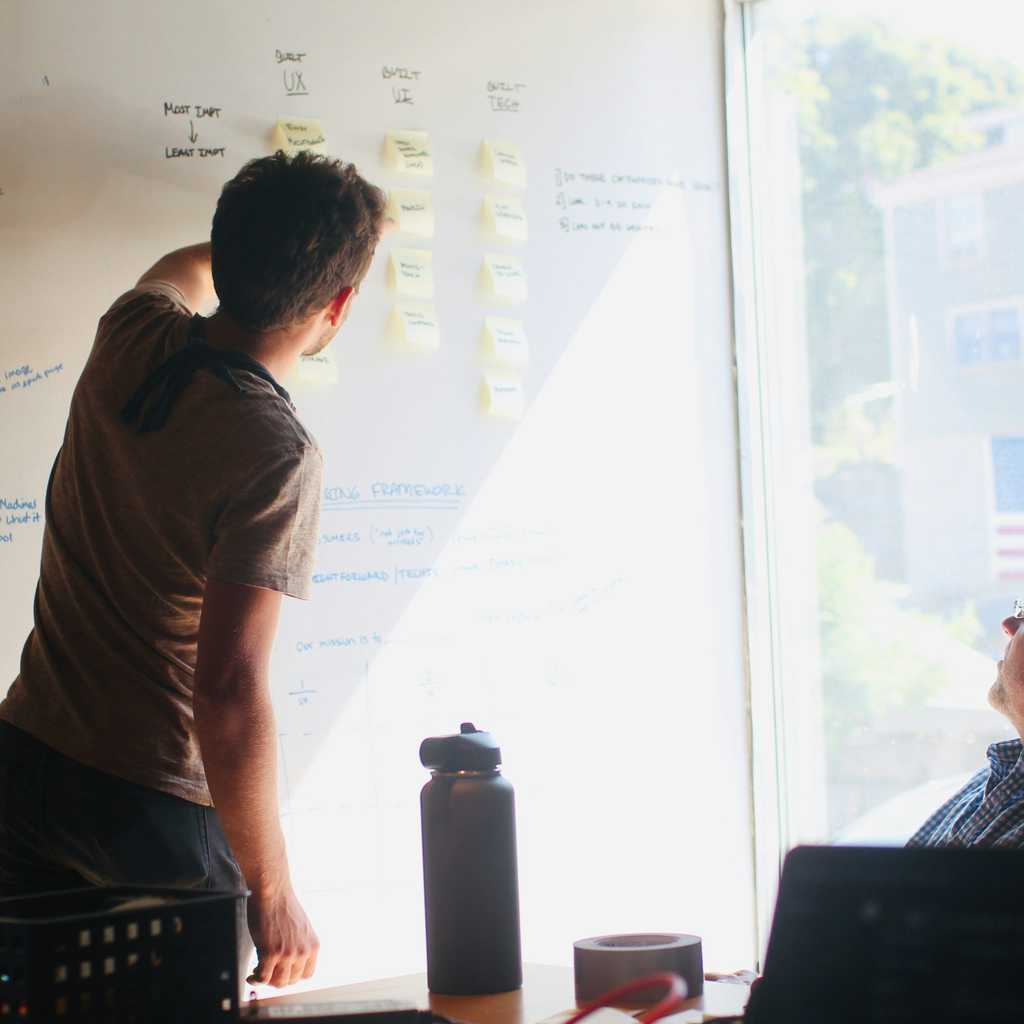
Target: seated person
{"points": [[989, 810]]}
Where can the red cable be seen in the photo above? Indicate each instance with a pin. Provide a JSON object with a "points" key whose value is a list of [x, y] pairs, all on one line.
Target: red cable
{"points": [[669, 1003]]}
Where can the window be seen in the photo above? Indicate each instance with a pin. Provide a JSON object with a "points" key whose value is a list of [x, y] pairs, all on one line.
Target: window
{"points": [[963, 218], [971, 334], [1004, 334], [991, 336], [871, 490]]}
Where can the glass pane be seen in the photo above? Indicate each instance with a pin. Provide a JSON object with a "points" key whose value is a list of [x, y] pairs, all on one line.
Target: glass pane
{"points": [[1008, 473], [965, 226], [1004, 334], [970, 338], [887, 147]]}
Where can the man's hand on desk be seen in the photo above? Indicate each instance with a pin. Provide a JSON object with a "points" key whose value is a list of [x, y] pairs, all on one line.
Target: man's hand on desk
{"points": [[286, 944]]}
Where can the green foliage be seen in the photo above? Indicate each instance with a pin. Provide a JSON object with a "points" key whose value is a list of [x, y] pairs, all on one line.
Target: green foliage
{"points": [[872, 106], [859, 429], [877, 655]]}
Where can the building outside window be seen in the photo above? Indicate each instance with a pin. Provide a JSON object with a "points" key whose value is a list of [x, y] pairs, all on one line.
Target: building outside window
{"points": [[885, 156]]}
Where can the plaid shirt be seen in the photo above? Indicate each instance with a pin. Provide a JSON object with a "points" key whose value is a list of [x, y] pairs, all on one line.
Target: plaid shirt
{"points": [[988, 811]]}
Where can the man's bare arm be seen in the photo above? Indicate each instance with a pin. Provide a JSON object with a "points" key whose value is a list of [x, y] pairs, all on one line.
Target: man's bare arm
{"points": [[238, 738], [189, 271]]}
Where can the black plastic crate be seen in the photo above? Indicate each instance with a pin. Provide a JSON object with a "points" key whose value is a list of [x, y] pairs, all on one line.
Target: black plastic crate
{"points": [[120, 956]]}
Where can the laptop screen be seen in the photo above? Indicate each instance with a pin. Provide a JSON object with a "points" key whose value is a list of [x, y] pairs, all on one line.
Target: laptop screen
{"points": [[891, 934]]}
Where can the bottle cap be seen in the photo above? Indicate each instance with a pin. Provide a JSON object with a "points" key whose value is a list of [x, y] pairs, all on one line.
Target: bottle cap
{"points": [[469, 750]]}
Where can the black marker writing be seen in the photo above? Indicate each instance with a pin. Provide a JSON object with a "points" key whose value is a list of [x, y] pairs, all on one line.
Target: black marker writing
{"points": [[504, 104], [411, 154], [497, 86], [389, 71], [293, 84], [188, 152]]}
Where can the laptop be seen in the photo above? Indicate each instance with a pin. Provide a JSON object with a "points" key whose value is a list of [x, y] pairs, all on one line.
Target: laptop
{"points": [[894, 935]]}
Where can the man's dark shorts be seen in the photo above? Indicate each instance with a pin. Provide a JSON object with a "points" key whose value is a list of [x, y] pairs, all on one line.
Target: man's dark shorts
{"points": [[64, 825]]}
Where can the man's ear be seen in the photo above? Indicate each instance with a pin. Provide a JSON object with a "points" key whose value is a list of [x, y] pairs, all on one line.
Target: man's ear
{"points": [[337, 305]]}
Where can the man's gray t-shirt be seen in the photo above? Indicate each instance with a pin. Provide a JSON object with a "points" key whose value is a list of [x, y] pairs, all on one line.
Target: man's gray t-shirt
{"points": [[228, 489]]}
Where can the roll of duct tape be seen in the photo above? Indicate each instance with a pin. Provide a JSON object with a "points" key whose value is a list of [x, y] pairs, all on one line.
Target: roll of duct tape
{"points": [[607, 961]]}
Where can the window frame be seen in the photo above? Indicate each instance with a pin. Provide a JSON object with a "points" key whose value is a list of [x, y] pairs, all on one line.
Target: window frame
{"points": [[948, 259], [770, 813], [990, 306]]}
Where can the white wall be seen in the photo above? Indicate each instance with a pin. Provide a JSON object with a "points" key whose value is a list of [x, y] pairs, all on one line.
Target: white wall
{"points": [[584, 602]]}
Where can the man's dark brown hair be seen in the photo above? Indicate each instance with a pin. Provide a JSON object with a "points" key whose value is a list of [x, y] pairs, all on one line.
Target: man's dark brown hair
{"points": [[288, 234]]}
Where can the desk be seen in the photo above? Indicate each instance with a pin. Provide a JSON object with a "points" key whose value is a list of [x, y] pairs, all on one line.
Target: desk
{"points": [[546, 991]]}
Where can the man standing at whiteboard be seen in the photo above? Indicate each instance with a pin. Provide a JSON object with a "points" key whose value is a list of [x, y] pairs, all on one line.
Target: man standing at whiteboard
{"points": [[184, 502]]}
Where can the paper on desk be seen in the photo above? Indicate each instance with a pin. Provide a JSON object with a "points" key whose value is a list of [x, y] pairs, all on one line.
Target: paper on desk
{"points": [[606, 1015]]}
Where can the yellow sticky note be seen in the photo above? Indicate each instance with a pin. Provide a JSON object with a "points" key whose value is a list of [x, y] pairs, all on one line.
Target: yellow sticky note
{"points": [[414, 327], [317, 371], [503, 342], [502, 161], [502, 397], [300, 133], [503, 277], [408, 153], [505, 217], [412, 210], [411, 272]]}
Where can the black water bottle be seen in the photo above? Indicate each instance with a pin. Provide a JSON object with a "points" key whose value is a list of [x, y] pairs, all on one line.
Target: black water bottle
{"points": [[470, 882]]}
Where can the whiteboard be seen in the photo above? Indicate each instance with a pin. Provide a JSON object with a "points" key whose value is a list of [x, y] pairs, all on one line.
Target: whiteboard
{"points": [[569, 580]]}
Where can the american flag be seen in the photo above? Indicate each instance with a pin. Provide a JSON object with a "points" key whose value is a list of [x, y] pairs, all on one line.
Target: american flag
{"points": [[1008, 547]]}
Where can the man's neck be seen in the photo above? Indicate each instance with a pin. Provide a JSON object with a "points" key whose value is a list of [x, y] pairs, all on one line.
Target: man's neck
{"points": [[278, 350]]}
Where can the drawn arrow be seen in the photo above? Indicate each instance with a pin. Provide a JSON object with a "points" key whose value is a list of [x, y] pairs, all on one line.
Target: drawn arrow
{"points": [[192, 136]]}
